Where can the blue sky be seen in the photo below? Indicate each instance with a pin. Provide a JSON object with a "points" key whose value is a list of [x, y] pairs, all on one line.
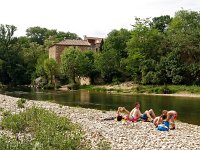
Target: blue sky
{"points": [[86, 17]]}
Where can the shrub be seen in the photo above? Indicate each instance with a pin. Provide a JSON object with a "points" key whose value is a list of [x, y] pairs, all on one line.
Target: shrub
{"points": [[48, 131]]}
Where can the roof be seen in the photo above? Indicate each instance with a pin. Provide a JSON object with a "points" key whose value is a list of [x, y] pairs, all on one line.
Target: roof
{"points": [[97, 40], [73, 43]]}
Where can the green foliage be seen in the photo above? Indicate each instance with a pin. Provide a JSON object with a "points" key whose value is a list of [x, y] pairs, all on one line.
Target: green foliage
{"points": [[103, 145], [40, 66], [93, 88], [51, 69], [12, 68], [21, 102], [48, 131], [30, 55], [6, 113], [107, 63], [166, 89], [116, 41], [154, 89], [73, 63], [161, 23], [10, 143], [89, 67], [39, 35]]}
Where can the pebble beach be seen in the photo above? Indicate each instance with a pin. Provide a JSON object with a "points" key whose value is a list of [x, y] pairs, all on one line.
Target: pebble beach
{"points": [[120, 135]]}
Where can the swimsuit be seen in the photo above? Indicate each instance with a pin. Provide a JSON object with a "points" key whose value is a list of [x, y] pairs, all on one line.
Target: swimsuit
{"points": [[144, 117]]}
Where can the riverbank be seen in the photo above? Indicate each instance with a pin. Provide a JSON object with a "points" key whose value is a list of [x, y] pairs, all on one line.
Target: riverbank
{"points": [[129, 88], [121, 136]]}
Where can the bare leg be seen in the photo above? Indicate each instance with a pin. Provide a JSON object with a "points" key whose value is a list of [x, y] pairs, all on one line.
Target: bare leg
{"points": [[148, 115], [151, 112]]}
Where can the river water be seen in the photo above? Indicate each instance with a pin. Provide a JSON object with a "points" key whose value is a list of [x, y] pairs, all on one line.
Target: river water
{"points": [[188, 108]]}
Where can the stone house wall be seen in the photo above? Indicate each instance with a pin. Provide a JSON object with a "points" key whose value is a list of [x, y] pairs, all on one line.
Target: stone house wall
{"points": [[56, 51]]}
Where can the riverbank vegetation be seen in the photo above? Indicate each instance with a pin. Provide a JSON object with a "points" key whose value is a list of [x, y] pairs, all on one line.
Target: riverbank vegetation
{"points": [[162, 51], [144, 89], [37, 128]]}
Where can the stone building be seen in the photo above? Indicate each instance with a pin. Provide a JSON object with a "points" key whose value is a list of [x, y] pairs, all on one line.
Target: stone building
{"points": [[89, 43]]}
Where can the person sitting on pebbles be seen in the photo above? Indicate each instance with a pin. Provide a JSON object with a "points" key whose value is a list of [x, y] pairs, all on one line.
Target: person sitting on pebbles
{"points": [[159, 120], [170, 117], [136, 114]]}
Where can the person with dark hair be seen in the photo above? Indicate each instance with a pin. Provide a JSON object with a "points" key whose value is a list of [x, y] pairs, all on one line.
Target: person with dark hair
{"points": [[170, 116]]}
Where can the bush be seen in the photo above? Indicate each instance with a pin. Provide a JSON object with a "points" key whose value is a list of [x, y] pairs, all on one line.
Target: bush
{"points": [[48, 131], [7, 143]]}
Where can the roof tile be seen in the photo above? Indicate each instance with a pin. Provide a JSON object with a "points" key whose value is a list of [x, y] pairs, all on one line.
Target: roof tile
{"points": [[74, 42]]}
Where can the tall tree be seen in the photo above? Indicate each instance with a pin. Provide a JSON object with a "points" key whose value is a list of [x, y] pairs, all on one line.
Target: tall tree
{"points": [[184, 35], [161, 23], [7, 38], [12, 68], [72, 63], [117, 40], [39, 35], [107, 63], [51, 69], [143, 45]]}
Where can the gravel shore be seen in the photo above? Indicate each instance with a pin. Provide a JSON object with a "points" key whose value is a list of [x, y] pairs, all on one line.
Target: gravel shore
{"points": [[121, 136]]}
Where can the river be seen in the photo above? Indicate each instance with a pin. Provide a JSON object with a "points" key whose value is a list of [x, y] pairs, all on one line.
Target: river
{"points": [[188, 108]]}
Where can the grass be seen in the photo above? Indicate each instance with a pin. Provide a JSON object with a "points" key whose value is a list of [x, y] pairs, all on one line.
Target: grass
{"points": [[48, 131], [157, 89], [104, 145], [21, 102], [167, 89], [93, 88]]}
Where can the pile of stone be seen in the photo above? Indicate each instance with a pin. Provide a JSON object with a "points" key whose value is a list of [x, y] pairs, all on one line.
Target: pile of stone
{"points": [[121, 135]]}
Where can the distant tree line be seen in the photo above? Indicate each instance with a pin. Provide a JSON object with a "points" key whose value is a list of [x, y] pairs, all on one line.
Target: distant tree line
{"points": [[161, 50]]}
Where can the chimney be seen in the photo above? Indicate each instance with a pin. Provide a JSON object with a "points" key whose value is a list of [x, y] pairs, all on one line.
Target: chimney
{"points": [[85, 37]]}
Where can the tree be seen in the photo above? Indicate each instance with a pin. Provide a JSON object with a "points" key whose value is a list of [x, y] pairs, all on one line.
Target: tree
{"points": [[12, 71], [88, 64], [184, 36], [143, 45], [30, 56], [51, 69], [107, 63], [72, 63], [39, 35], [39, 68], [161, 23], [184, 33], [117, 40], [6, 34]]}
